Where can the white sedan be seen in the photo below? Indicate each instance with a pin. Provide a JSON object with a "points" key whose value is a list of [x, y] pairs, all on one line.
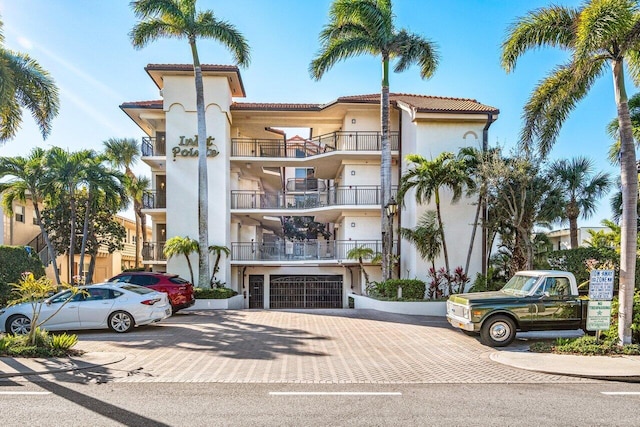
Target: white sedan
{"points": [[118, 306]]}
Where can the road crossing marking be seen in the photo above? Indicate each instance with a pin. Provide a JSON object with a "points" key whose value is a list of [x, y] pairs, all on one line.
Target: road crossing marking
{"points": [[37, 393], [334, 393]]}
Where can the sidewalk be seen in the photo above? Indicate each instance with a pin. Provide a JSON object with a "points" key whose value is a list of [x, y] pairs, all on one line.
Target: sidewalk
{"points": [[21, 366]]}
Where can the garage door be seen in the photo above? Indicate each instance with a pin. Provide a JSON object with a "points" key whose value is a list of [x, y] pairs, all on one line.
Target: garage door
{"points": [[305, 292]]}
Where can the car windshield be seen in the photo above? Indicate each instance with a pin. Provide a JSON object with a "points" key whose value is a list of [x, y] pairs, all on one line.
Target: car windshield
{"points": [[520, 285], [137, 289]]}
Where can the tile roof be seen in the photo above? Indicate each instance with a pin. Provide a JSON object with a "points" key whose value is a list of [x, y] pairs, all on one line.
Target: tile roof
{"points": [[272, 106], [189, 67], [142, 104], [424, 103]]}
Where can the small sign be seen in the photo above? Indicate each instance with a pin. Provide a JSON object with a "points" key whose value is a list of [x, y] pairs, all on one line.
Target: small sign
{"points": [[598, 315], [601, 285]]}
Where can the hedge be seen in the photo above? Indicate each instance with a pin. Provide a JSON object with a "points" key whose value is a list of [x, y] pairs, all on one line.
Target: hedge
{"points": [[215, 293], [411, 289], [15, 260]]}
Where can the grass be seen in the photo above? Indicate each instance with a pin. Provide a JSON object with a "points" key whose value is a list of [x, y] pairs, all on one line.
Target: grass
{"points": [[585, 346]]}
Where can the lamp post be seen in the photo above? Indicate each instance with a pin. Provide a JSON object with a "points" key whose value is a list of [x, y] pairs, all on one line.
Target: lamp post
{"points": [[390, 209]]}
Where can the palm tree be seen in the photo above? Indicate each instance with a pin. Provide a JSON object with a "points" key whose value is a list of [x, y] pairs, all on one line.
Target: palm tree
{"points": [[217, 250], [138, 188], [181, 246], [426, 237], [26, 180], [180, 19], [600, 34], [613, 129], [427, 177], [24, 84], [105, 186], [580, 190], [359, 253], [65, 172], [358, 27]]}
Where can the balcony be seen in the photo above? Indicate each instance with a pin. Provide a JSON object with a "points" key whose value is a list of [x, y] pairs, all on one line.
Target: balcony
{"points": [[154, 147], [357, 195], [306, 184], [335, 141], [154, 200], [153, 252], [326, 250]]}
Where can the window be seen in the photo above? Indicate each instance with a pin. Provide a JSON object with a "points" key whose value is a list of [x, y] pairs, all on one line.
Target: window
{"points": [[97, 294], [556, 286], [19, 211]]}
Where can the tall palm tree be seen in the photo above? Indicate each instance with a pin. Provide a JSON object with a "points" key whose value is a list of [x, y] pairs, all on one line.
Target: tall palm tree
{"points": [[426, 237], [600, 35], [427, 177], [359, 253], [105, 186], [580, 189], [178, 245], [217, 251], [24, 84], [65, 172], [180, 19], [358, 27], [26, 180], [138, 188]]}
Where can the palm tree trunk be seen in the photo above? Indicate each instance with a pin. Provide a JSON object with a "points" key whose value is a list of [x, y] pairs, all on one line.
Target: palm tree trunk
{"points": [[47, 241], [190, 268], [136, 208], [573, 231], [203, 190], [441, 226], [628, 222], [364, 272], [72, 237], [385, 171], [473, 234], [85, 233]]}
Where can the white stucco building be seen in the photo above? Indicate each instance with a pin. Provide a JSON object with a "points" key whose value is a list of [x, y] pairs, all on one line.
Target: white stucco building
{"points": [[261, 175]]}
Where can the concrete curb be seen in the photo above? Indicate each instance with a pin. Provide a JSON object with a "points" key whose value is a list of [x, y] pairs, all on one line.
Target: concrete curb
{"points": [[21, 366]]}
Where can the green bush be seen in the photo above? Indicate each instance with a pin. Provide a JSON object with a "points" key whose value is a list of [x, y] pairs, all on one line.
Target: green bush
{"points": [[573, 260], [586, 345], [15, 260], [412, 289], [612, 333], [215, 293], [47, 345]]}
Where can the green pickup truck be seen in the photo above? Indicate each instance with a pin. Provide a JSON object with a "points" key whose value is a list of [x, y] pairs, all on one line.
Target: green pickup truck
{"points": [[538, 300]]}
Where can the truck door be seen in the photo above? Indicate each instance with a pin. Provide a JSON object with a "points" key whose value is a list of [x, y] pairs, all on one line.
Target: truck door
{"points": [[555, 307]]}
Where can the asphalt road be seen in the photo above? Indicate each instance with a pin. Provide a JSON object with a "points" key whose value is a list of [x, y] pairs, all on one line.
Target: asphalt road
{"points": [[58, 403]]}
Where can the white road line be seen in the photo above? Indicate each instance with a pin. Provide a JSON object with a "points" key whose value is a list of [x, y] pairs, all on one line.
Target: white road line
{"points": [[334, 393], [25, 392], [621, 393]]}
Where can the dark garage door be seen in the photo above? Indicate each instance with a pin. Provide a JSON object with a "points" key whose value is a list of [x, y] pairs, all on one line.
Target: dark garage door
{"points": [[305, 292]]}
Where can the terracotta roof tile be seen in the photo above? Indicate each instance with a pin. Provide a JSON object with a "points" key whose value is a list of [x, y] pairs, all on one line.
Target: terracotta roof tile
{"points": [[424, 103], [271, 106], [142, 104], [189, 67]]}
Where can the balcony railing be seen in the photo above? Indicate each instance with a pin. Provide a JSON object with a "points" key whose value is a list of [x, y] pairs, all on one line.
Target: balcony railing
{"points": [[306, 184], [335, 141], [153, 251], [299, 251], [154, 200], [335, 196], [152, 146]]}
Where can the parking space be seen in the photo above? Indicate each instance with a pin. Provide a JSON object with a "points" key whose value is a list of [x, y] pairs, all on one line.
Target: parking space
{"points": [[312, 346]]}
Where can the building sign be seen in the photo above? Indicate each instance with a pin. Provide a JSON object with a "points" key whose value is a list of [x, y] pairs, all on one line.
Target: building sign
{"points": [[601, 285], [188, 147], [598, 315]]}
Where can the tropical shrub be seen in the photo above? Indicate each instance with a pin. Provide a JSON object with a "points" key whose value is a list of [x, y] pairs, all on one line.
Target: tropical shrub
{"points": [[575, 260], [443, 282], [612, 333], [214, 293], [44, 345], [15, 260], [412, 289]]}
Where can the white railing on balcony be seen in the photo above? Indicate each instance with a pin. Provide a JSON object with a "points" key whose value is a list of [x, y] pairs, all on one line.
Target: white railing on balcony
{"points": [[300, 251]]}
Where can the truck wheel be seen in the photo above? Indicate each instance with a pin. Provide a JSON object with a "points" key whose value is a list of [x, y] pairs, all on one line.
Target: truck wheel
{"points": [[498, 331]]}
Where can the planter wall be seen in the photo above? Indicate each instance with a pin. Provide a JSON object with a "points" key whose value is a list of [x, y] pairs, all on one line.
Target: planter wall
{"points": [[423, 308], [233, 303]]}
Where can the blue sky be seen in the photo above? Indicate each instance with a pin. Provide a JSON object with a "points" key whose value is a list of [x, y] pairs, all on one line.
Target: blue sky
{"points": [[85, 46]]}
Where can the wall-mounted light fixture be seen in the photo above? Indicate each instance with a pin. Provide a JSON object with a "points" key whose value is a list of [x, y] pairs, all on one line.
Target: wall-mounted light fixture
{"points": [[353, 173], [353, 224], [353, 121]]}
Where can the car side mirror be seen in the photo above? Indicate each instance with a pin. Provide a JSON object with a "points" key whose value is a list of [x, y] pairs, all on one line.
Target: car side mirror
{"points": [[546, 294]]}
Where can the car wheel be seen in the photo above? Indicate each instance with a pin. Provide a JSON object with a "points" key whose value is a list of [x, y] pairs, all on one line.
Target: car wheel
{"points": [[498, 331], [121, 321], [18, 324]]}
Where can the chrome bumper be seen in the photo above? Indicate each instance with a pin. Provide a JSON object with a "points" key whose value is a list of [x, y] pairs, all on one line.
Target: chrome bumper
{"points": [[466, 324]]}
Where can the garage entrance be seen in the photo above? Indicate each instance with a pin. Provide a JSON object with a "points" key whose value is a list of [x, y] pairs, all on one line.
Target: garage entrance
{"points": [[304, 291]]}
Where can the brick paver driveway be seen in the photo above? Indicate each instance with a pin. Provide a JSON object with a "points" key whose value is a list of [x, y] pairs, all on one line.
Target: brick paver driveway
{"points": [[319, 346]]}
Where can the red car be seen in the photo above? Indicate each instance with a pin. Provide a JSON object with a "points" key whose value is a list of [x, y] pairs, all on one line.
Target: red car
{"points": [[180, 291]]}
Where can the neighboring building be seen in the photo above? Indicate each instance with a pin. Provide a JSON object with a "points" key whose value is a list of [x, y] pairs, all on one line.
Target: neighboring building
{"points": [[22, 229], [560, 239], [257, 177]]}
